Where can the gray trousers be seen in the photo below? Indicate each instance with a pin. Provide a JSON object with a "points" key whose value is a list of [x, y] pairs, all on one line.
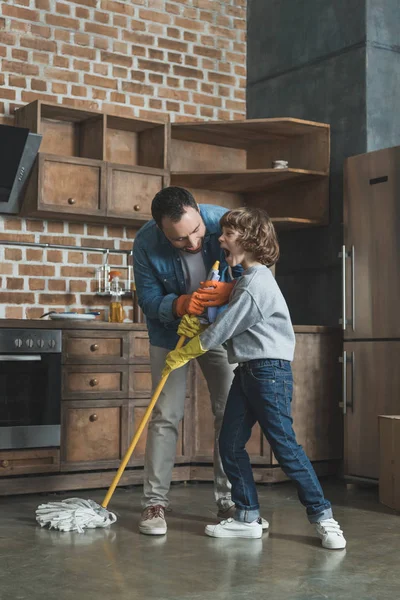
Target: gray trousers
{"points": [[168, 412]]}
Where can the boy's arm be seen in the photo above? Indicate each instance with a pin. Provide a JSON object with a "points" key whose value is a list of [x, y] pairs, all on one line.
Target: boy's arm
{"points": [[241, 313]]}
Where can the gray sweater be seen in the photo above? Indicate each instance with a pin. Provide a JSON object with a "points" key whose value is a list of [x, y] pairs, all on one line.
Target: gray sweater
{"points": [[256, 323]]}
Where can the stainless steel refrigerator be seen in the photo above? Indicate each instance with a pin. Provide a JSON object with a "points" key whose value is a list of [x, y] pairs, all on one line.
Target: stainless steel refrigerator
{"points": [[371, 304]]}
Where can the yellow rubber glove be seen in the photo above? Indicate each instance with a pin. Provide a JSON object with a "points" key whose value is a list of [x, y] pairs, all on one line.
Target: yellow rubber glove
{"points": [[191, 326], [178, 358]]}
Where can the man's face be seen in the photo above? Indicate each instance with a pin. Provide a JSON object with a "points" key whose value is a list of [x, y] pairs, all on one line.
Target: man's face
{"points": [[186, 234]]}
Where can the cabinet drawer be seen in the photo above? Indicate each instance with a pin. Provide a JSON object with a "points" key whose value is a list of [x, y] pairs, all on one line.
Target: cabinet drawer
{"points": [[71, 185], [21, 462], [140, 381], [105, 381], [130, 192], [94, 435], [94, 347], [139, 347]]}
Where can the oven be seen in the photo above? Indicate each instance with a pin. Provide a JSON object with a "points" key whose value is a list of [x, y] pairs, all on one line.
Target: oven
{"points": [[30, 388]]}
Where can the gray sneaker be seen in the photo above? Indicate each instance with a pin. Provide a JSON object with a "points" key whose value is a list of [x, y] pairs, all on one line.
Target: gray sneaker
{"points": [[229, 513], [153, 521]]}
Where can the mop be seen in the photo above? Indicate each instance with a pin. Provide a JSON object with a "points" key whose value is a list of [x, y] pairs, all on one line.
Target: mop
{"points": [[76, 514]]}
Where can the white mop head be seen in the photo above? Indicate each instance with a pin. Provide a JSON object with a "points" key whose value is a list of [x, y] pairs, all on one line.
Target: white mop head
{"points": [[74, 514]]}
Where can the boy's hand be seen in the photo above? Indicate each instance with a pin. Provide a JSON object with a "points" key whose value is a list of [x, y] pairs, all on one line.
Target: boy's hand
{"points": [[190, 326], [217, 295], [178, 358]]}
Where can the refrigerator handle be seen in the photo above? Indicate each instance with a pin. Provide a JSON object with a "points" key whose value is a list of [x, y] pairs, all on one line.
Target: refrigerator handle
{"points": [[343, 360], [343, 255], [353, 291], [353, 379]]}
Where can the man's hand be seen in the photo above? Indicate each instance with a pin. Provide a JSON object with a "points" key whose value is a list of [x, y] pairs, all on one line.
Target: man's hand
{"points": [[189, 304], [217, 294], [178, 358], [190, 326]]}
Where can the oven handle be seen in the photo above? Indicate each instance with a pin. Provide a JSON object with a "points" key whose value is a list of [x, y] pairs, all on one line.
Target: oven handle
{"points": [[19, 357]]}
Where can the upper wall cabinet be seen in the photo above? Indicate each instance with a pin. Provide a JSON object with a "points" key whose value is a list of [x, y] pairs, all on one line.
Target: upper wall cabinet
{"points": [[231, 164], [94, 166]]}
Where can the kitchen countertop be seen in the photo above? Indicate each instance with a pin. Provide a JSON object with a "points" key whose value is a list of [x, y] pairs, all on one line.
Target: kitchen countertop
{"points": [[49, 324]]}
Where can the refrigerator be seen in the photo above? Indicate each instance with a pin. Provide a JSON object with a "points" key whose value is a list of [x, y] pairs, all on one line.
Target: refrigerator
{"points": [[370, 320]]}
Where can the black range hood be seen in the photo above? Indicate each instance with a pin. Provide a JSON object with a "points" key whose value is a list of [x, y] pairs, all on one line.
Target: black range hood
{"points": [[18, 150]]}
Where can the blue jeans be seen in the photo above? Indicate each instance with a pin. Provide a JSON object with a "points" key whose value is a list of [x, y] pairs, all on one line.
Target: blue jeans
{"points": [[262, 392]]}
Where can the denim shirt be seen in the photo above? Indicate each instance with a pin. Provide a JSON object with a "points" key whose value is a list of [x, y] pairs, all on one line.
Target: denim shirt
{"points": [[159, 274]]}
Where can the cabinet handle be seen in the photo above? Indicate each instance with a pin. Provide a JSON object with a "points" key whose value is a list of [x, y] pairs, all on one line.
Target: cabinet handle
{"points": [[5, 463], [94, 347], [343, 360], [343, 256], [93, 418], [93, 382], [71, 200], [353, 290], [136, 207]]}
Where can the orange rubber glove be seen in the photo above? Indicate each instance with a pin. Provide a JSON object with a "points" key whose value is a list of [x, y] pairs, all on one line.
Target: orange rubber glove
{"points": [[217, 294], [189, 304]]}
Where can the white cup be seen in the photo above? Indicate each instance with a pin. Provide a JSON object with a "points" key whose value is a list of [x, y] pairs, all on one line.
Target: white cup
{"points": [[280, 164]]}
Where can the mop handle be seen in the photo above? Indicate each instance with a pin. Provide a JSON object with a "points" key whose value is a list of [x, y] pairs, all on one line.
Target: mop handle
{"points": [[138, 433]]}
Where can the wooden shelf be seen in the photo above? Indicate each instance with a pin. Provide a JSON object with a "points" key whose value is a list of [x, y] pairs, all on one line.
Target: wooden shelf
{"points": [[287, 223], [254, 180]]}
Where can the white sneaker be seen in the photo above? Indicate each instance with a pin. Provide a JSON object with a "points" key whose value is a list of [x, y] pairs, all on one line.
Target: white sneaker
{"points": [[153, 521], [229, 513], [235, 529], [331, 535]]}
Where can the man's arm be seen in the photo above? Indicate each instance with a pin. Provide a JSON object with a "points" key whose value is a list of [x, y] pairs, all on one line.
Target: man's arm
{"points": [[152, 299]]}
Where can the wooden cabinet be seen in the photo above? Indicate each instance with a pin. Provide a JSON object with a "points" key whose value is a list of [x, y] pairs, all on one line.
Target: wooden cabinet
{"points": [[94, 347], [64, 185], [94, 434], [24, 462], [372, 381], [316, 413], [230, 164], [93, 166]]}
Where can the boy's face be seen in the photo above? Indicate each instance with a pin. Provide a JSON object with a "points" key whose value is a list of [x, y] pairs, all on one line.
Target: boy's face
{"points": [[186, 234], [234, 253]]}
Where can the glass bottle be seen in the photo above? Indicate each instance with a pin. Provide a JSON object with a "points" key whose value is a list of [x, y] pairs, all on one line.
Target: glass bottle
{"points": [[116, 312]]}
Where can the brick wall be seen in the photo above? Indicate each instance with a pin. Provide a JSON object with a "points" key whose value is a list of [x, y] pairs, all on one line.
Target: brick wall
{"points": [[186, 58]]}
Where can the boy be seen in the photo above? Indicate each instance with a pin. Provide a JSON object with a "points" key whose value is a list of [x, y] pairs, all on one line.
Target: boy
{"points": [[258, 332]]}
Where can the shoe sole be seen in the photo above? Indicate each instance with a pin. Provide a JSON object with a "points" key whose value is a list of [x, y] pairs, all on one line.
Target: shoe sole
{"points": [[153, 531], [333, 547], [249, 536]]}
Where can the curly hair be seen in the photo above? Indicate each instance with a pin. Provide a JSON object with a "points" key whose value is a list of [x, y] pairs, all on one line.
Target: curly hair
{"points": [[256, 233]]}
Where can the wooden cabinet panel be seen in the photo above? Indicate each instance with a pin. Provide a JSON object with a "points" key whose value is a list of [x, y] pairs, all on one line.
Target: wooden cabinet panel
{"points": [[23, 462], [140, 384], [139, 347], [131, 192], [373, 383], [93, 434], [95, 347], [371, 226], [71, 186], [104, 381]]}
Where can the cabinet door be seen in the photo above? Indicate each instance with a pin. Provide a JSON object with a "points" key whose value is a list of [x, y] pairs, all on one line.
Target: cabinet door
{"points": [[372, 378], [317, 419], [34, 460], [94, 434], [71, 185], [131, 191], [371, 226]]}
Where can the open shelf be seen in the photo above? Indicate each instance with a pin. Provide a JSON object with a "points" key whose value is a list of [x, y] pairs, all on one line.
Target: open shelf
{"points": [[254, 180], [288, 223]]}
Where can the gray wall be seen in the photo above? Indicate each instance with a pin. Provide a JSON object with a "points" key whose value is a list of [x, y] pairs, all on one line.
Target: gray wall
{"points": [[308, 59]]}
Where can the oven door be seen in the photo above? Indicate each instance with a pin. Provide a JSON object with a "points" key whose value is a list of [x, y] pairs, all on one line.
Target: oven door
{"points": [[30, 400]]}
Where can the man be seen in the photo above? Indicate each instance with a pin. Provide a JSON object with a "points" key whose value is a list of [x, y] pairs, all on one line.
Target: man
{"points": [[172, 254]]}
